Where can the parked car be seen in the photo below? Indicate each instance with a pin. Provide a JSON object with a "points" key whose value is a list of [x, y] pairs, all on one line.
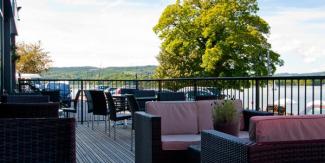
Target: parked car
{"points": [[111, 90], [189, 92], [34, 85], [102, 87], [65, 91]]}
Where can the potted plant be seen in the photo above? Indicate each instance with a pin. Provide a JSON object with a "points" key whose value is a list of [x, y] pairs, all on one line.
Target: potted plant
{"points": [[225, 117]]}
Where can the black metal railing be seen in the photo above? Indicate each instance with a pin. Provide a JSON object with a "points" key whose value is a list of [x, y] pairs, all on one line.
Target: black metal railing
{"points": [[288, 95]]}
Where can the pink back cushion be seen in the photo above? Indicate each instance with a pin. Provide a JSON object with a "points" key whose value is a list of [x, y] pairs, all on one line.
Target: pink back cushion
{"points": [[205, 119], [176, 117], [287, 128]]}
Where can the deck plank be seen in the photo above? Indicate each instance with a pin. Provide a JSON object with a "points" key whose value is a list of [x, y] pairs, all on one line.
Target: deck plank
{"points": [[97, 146]]}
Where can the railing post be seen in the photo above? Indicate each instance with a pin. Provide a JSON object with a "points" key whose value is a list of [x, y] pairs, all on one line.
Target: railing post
{"points": [[19, 85], [137, 84], [257, 95], [195, 89], [82, 102], [159, 85]]}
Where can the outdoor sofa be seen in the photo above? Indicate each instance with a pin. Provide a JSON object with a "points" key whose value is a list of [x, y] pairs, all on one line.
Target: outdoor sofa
{"points": [[165, 131], [271, 139]]}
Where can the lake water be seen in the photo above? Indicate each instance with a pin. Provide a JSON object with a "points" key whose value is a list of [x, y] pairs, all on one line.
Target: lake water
{"points": [[298, 100]]}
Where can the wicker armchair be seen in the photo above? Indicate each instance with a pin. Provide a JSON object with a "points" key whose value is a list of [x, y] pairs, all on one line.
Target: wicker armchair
{"points": [[37, 140], [148, 145], [29, 110], [25, 99], [220, 147]]}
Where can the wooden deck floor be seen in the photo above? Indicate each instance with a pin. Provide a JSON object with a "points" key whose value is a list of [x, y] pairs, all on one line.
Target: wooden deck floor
{"points": [[96, 145]]}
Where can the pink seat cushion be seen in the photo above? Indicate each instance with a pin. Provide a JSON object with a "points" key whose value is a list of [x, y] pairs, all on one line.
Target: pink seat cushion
{"points": [[176, 117], [287, 128], [179, 142], [205, 119]]}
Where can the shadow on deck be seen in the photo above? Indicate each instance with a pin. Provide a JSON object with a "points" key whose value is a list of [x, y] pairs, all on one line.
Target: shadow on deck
{"points": [[96, 145]]}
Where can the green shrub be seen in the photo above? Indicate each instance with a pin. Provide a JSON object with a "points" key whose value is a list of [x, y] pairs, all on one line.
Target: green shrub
{"points": [[224, 112]]}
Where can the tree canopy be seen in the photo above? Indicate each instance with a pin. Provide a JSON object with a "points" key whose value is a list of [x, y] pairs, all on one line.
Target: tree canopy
{"points": [[32, 58], [214, 38]]}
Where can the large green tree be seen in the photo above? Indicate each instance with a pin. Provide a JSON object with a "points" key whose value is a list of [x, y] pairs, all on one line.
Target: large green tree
{"points": [[214, 38], [32, 58]]}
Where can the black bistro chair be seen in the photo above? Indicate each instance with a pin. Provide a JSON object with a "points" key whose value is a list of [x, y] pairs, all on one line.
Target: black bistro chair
{"points": [[74, 108], [144, 94], [113, 112], [97, 105], [134, 107], [89, 105]]}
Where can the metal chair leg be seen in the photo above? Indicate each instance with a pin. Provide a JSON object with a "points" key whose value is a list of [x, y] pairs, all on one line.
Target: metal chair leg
{"points": [[105, 124], [98, 118], [75, 117], [92, 122], [87, 120], [109, 127], [131, 139], [114, 130]]}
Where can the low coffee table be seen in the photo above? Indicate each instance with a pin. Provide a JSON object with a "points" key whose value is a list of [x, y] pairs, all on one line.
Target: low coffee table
{"points": [[195, 153]]}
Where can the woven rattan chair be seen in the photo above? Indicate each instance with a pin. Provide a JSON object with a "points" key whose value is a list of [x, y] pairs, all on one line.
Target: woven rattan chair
{"points": [[37, 140], [220, 147], [29, 110], [25, 99]]}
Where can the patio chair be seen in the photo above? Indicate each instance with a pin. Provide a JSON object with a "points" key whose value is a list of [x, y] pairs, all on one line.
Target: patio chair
{"points": [[89, 105], [171, 96], [113, 113], [37, 140], [134, 107], [120, 102], [144, 93], [29, 110], [271, 139], [97, 103], [75, 105]]}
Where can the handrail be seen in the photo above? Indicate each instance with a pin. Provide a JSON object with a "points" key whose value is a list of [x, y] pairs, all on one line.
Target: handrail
{"points": [[257, 93]]}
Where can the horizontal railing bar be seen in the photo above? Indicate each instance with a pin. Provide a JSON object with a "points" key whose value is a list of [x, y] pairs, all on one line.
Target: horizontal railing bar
{"points": [[207, 78]]}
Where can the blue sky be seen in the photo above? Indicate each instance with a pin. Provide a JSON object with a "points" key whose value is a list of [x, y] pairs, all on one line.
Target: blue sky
{"points": [[106, 33]]}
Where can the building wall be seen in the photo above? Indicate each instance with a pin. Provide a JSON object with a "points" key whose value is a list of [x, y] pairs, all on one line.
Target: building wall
{"points": [[1, 46], [8, 33]]}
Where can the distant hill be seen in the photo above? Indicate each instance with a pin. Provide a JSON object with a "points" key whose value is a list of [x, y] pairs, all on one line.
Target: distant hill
{"points": [[139, 72], [301, 74]]}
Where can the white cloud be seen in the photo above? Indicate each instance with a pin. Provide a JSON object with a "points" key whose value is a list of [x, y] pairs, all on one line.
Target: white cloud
{"points": [[119, 32], [115, 34], [297, 34]]}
